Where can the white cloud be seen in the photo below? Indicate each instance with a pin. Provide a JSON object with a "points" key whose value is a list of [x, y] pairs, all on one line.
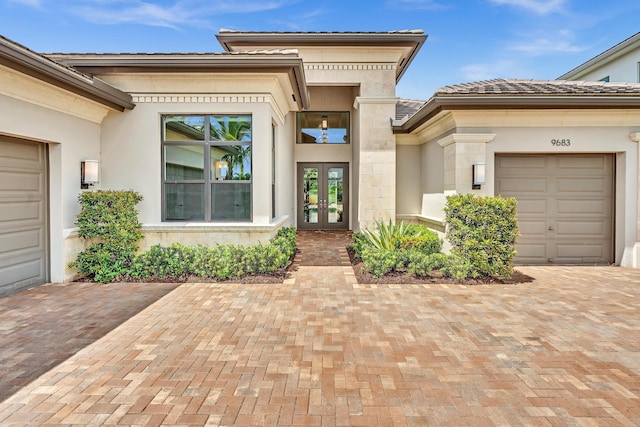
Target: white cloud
{"points": [[174, 15], [560, 42], [541, 7]]}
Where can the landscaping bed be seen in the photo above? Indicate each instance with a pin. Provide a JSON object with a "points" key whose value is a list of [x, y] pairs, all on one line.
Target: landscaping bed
{"points": [[405, 278]]}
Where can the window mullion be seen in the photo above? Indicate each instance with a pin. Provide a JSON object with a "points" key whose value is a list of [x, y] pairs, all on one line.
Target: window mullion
{"points": [[207, 169]]}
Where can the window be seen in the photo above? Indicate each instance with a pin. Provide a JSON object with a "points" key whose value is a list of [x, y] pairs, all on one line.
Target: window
{"points": [[605, 79], [206, 167], [322, 127]]}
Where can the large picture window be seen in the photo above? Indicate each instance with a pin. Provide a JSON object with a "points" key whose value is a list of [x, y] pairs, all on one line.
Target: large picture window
{"points": [[206, 167], [322, 127]]}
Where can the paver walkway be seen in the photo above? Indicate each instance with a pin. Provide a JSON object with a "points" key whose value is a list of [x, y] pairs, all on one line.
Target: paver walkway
{"points": [[323, 350], [43, 326]]}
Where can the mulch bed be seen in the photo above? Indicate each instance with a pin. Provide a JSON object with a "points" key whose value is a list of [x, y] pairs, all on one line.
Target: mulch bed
{"points": [[404, 278]]}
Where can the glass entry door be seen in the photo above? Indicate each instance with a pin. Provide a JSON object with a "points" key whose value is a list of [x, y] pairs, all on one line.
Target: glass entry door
{"points": [[323, 194]]}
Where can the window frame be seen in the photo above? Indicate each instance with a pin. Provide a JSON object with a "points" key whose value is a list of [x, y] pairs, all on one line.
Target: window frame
{"points": [[324, 112], [209, 178]]}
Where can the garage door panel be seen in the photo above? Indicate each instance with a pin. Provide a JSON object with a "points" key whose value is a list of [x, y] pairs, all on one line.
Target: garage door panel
{"points": [[22, 154], [532, 253], [581, 252], [21, 240], [516, 163], [15, 182], [579, 162], [21, 211], [532, 207], [582, 185], [585, 229], [21, 274], [599, 207], [531, 185], [532, 228], [569, 218]]}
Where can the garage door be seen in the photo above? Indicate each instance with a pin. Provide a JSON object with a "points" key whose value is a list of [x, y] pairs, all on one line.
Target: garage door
{"points": [[23, 215], [565, 206]]}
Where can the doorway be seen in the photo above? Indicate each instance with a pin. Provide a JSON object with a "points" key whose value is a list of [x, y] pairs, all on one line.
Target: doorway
{"points": [[323, 196]]}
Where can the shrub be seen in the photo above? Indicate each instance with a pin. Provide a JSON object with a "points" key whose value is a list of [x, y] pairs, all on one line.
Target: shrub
{"points": [[421, 264], [379, 262], [458, 268], [422, 240], [109, 220], [384, 236], [161, 261], [217, 262], [483, 231]]}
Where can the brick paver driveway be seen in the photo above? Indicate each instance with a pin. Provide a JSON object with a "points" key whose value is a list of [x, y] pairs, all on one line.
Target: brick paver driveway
{"points": [[323, 350]]}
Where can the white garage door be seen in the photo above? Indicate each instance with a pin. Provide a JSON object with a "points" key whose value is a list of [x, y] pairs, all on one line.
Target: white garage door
{"points": [[23, 215], [565, 206]]}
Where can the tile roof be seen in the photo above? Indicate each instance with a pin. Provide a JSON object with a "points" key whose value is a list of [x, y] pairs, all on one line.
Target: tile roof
{"points": [[408, 31], [515, 87], [406, 108]]}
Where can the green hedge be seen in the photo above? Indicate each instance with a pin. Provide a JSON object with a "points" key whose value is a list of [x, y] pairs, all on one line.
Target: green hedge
{"points": [[218, 262], [109, 220], [483, 231]]}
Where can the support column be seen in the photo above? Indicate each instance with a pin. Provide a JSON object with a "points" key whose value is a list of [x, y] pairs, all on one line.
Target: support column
{"points": [[631, 256], [461, 152], [377, 160]]}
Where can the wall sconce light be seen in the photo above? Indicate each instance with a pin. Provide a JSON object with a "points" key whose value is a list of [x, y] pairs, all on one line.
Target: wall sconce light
{"points": [[220, 167], [88, 173], [478, 171]]}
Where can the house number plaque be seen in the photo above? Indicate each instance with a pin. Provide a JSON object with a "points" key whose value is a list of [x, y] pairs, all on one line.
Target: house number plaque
{"points": [[561, 142]]}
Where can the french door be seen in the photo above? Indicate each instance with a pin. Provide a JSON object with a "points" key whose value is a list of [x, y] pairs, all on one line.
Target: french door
{"points": [[323, 195]]}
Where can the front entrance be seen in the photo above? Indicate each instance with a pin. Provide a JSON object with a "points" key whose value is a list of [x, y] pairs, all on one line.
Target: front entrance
{"points": [[323, 195]]}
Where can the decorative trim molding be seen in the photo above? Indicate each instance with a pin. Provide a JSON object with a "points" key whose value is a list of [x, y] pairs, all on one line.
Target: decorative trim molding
{"points": [[200, 98], [635, 136], [374, 100], [466, 138], [350, 67]]}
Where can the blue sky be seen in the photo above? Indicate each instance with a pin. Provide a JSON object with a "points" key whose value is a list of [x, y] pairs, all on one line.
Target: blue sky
{"points": [[468, 39]]}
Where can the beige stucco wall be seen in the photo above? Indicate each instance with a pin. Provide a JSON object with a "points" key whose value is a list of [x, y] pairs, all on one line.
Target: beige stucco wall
{"points": [[408, 179], [70, 125]]}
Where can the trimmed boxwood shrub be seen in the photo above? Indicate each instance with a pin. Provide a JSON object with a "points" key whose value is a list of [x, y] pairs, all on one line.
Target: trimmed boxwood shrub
{"points": [[218, 262], [482, 232], [109, 220]]}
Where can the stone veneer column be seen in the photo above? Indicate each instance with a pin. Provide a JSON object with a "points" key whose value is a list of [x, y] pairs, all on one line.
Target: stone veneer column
{"points": [[377, 160], [461, 152]]}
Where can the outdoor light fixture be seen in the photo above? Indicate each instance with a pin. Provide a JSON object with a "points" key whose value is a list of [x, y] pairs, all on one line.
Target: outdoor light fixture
{"points": [[324, 125], [88, 173], [478, 170]]}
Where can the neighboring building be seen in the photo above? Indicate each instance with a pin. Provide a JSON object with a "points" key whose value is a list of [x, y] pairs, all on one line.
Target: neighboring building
{"points": [[621, 63], [304, 129]]}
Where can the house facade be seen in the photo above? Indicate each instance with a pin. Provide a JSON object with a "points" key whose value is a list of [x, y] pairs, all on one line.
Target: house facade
{"points": [[304, 129]]}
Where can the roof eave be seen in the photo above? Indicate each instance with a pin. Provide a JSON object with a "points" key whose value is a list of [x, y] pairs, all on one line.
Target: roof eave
{"points": [[441, 103], [233, 40], [288, 64], [41, 68]]}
